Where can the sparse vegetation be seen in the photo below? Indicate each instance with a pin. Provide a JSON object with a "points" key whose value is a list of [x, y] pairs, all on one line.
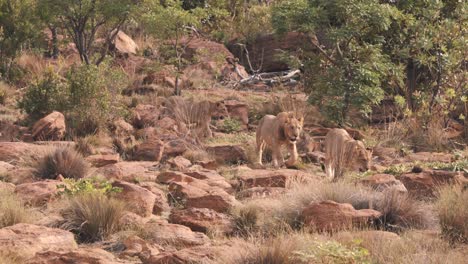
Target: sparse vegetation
{"points": [[12, 210], [72, 187], [333, 252], [92, 216], [452, 208], [231, 125], [62, 161]]}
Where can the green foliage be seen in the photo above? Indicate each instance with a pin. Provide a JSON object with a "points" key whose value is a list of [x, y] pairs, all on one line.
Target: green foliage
{"points": [[73, 187], [334, 252], [44, 95], [231, 125]]}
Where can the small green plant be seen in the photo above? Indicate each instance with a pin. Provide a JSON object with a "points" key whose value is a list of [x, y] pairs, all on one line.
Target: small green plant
{"points": [[72, 187], [231, 125], [398, 169], [333, 252], [62, 161]]}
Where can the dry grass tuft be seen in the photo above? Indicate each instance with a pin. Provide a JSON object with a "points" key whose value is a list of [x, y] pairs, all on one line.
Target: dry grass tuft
{"points": [[452, 208], [93, 216], [64, 161], [12, 210]]}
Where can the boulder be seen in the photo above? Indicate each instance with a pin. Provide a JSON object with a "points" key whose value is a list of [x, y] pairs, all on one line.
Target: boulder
{"points": [[99, 160], [150, 150], [37, 193], [82, 255], [239, 111], [228, 153], [137, 247], [211, 177], [425, 183], [174, 235], [332, 216], [130, 171], [51, 127], [175, 147], [202, 220], [140, 200], [121, 128], [161, 204], [180, 163], [15, 152], [25, 240], [209, 164], [124, 44], [271, 178], [380, 182]]}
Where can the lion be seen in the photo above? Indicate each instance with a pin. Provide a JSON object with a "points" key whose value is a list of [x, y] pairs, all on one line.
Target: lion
{"points": [[343, 152], [275, 131], [197, 115]]}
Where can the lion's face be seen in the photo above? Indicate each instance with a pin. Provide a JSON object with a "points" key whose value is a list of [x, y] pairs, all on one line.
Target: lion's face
{"points": [[363, 157], [219, 110], [292, 128]]}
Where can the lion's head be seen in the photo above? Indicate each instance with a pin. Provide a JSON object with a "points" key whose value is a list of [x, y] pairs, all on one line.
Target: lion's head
{"points": [[360, 156], [218, 110], [292, 128]]}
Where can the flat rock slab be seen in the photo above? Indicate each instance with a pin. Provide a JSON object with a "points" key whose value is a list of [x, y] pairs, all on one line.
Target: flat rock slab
{"points": [[271, 178]]}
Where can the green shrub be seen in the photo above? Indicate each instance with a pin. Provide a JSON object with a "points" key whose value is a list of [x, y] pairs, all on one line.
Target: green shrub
{"points": [[231, 125], [12, 210], [452, 208], [64, 161], [333, 252], [73, 187], [45, 95], [93, 216]]}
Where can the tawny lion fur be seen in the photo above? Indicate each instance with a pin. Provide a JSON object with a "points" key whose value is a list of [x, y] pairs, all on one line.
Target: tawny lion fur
{"points": [[342, 152], [275, 131]]}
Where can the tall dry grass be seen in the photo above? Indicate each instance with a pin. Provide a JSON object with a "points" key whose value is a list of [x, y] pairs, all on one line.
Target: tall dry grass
{"points": [[452, 209], [62, 161], [13, 210]]}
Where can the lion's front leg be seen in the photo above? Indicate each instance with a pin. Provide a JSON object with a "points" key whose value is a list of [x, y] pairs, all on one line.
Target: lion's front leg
{"points": [[293, 155], [278, 159], [207, 130]]}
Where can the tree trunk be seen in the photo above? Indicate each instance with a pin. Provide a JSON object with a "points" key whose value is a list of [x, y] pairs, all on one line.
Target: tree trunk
{"points": [[410, 83], [55, 49]]}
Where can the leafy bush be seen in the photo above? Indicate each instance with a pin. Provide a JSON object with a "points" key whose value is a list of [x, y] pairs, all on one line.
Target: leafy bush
{"points": [[12, 210], [93, 216], [452, 208], [73, 187], [333, 252], [231, 125], [64, 161], [45, 95]]}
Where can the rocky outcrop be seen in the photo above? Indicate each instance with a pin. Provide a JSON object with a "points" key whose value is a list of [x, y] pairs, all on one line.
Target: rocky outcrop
{"points": [[137, 247], [381, 182], [332, 216], [180, 163], [99, 160], [37, 193], [202, 220], [161, 204], [26, 240], [51, 127], [150, 150], [83, 255], [228, 154], [425, 183], [124, 44], [239, 111], [271, 178], [145, 115], [174, 235], [140, 200], [130, 171]]}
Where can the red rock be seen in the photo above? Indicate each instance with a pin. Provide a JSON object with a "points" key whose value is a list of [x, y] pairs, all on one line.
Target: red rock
{"points": [[425, 184], [207, 164], [161, 204], [332, 216], [176, 147], [238, 110], [211, 177], [228, 153], [271, 178], [167, 177], [51, 127], [83, 255], [150, 150], [122, 128], [172, 234], [167, 123], [26, 240], [14, 152], [202, 220], [180, 163], [103, 160], [145, 116], [137, 247], [37, 193], [130, 171], [140, 200], [380, 182]]}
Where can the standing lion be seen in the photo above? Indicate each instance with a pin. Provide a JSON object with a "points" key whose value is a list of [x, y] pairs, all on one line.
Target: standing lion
{"points": [[275, 131], [343, 152]]}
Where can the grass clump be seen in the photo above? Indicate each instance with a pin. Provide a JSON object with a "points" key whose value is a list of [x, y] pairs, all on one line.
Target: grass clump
{"points": [[13, 210], [93, 216], [62, 161], [231, 125], [333, 252], [452, 209]]}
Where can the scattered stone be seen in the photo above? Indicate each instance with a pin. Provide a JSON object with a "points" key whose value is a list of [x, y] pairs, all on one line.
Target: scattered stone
{"points": [[82, 255], [180, 163], [271, 178], [51, 127], [137, 247], [331, 216], [202, 220], [174, 235], [150, 150], [37, 193], [99, 160], [211, 177], [380, 182], [161, 204], [140, 200], [425, 184], [176, 147]]}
